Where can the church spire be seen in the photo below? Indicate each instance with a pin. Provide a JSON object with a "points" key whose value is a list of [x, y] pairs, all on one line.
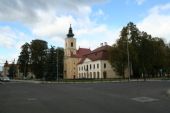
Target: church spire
{"points": [[70, 33]]}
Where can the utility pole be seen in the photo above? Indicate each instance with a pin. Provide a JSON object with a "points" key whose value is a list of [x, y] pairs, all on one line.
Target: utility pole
{"points": [[57, 63], [128, 37]]}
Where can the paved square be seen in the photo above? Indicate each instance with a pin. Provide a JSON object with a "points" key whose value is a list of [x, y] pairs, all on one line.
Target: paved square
{"points": [[118, 97]]}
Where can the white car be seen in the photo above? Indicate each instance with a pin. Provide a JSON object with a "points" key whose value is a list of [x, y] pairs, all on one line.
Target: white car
{"points": [[4, 79]]}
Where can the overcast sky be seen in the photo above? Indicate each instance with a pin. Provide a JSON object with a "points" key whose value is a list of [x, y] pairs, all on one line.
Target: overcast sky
{"points": [[93, 21]]}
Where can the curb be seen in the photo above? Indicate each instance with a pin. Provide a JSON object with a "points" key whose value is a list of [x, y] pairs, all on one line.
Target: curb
{"points": [[77, 82]]}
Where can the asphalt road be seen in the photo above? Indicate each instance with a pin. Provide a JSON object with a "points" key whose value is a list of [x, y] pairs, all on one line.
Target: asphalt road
{"points": [[126, 97]]}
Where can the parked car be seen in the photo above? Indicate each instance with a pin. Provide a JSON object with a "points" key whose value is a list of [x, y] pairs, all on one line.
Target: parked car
{"points": [[4, 79]]}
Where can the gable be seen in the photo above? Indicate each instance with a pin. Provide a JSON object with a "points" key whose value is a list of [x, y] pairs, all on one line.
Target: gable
{"points": [[87, 60]]}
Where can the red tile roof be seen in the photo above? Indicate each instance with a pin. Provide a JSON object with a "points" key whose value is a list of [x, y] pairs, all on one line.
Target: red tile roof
{"points": [[100, 53], [82, 51]]}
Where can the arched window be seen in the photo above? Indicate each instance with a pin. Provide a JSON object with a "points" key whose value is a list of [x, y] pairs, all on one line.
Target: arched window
{"points": [[71, 44], [97, 66]]}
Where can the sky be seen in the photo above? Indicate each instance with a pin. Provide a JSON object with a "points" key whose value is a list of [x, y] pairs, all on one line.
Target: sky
{"points": [[93, 22]]}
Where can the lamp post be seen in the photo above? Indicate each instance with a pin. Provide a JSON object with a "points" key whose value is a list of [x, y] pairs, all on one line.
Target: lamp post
{"points": [[57, 64], [25, 69], [128, 37]]}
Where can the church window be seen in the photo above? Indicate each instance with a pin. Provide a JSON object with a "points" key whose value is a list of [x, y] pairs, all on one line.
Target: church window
{"points": [[71, 44]]}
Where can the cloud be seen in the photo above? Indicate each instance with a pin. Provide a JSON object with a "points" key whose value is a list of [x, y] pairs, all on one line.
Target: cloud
{"points": [[160, 9], [9, 37], [157, 22], [26, 10], [91, 38], [49, 20], [99, 13], [10, 43], [140, 2]]}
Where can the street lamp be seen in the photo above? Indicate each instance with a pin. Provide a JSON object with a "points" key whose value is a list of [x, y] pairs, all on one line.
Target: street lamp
{"points": [[57, 64], [26, 61], [128, 37]]}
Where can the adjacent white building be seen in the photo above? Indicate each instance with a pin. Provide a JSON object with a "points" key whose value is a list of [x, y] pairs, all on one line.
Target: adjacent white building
{"points": [[96, 65]]}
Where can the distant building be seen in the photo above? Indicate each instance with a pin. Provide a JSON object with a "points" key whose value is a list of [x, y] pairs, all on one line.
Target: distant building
{"points": [[5, 69], [84, 63], [17, 74]]}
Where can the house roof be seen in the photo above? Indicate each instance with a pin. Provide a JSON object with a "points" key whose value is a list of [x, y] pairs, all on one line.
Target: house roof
{"points": [[100, 53], [102, 48], [82, 51]]}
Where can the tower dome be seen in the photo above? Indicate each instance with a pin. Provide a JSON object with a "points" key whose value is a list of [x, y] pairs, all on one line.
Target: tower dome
{"points": [[70, 33]]}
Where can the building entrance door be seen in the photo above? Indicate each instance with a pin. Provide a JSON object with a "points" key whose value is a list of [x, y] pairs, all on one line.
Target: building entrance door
{"points": [[104, 74]]}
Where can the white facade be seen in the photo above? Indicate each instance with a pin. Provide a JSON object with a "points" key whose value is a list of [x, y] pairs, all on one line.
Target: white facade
{"points": [[95, 69]]}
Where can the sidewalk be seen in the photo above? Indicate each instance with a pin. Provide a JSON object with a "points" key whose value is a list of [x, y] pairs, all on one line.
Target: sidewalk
{"points": [[88, 81]]}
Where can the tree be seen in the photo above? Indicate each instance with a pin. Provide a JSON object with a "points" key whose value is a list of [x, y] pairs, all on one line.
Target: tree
{"points": [[134, 46], [60, 62], [148, 55], [38, 57], [54, 66], [24, 59], [145, 54], [51, 65], [159, 53], [167, 60], [118, 54]]}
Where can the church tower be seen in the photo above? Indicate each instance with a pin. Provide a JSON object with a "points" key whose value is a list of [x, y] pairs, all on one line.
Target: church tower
{"points": [[70, 59], [70, 44]]}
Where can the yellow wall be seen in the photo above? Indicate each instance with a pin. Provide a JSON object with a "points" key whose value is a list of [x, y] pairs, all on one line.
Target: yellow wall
{"points": [[70, 68]]}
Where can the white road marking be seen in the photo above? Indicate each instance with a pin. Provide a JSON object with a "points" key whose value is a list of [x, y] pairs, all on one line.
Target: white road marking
{"points": [[144, 99], [31, 99]]}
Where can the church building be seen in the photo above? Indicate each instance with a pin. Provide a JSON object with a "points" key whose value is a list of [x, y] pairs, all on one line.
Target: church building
{"points": [[84, 63]]}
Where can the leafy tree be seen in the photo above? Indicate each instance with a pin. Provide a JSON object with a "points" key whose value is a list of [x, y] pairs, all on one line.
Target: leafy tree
{"points": [[148, 55], [51, 65], [167, 59], [54, 66], [159, 53], [24, 59], [134, 46], [118, 54], [38, 57], [43, 62], [60, 62]]}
